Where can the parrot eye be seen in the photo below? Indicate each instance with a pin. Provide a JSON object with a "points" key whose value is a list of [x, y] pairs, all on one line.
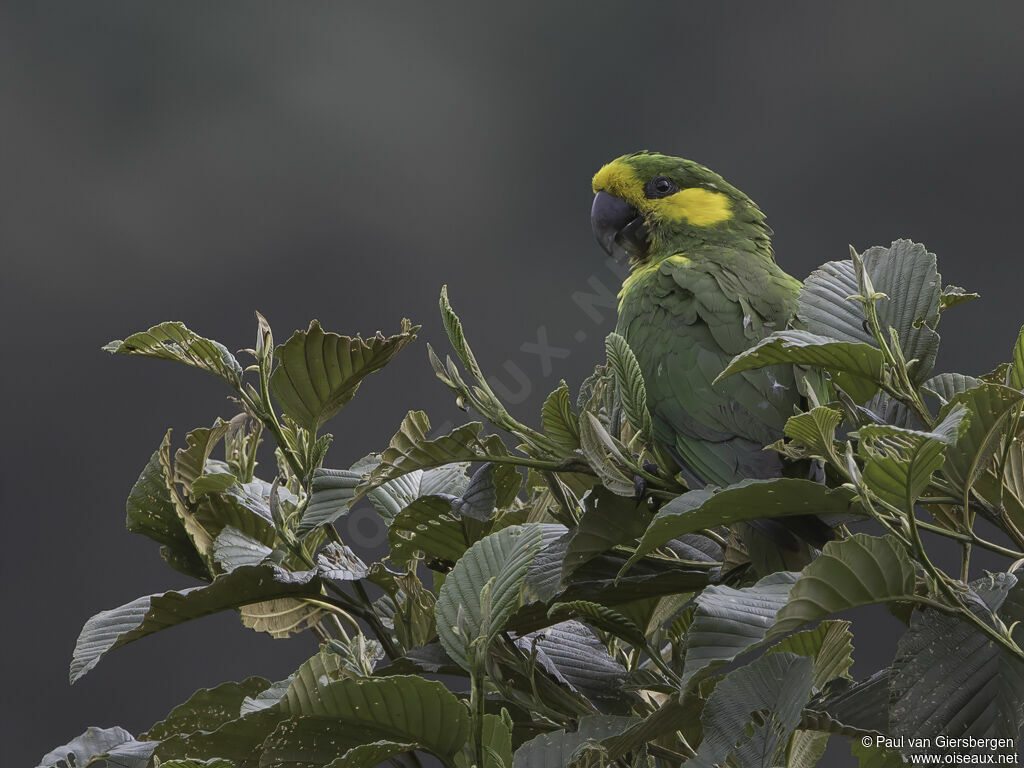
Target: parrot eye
{"points": [[660, 186]]}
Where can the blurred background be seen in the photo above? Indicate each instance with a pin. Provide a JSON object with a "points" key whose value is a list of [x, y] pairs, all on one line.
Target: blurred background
{"points": [[340, 161]]}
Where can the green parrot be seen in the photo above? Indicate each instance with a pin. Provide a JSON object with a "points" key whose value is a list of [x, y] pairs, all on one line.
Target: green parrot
{"points": [[703, 286]]}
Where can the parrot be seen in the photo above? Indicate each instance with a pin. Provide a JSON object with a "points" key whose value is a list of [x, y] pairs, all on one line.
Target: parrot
{"points": [[703, 286]]}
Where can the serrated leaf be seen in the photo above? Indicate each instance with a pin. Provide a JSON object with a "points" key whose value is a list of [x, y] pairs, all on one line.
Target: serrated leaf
{"points": [[173, 341], [150, 511], [464, 613], [233, 548], [899, 463], [745, 500], [954, 295], [775, 686], [950, 678], [906, 273], [604, 456], [394, 496], [829, 645], [608, 520], [815, 430], [332, 494], [190, 462], [411, 449], [339, 563], [238, 741], [850, 573], [556, 749], [600, 616], [280, 617], [806, 748], [207, 709], [559, 422], [1015, 376], [946, 386], [101, 746], [403, 708], [370, 755], [875, 757], [430, 526], [860, 364], [319, 372], [989, 408], [728, 621], [630, 381], [143, 616]]}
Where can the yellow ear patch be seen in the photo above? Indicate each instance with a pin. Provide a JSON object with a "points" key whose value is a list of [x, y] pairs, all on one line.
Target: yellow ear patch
{"points": [[618, 178], [700, 207]]}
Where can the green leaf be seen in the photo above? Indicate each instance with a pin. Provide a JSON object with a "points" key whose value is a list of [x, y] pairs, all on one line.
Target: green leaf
{"points": [[849, 573], [190, 763], [875, 757], [860, 363], [560, 424], [906, 273], [101, 746], [281, 617], [232, 548], [899, 463], [319, 372], [484, 589], [946, 386], [339, 563], [806, 748], [207, 709], [948, 677], [630, 380], [728, 622], [173, 341], [604, 456], [1015, 376], [453, 327], [745, 500], [954, 295], [608, 520], [111, 629], [815, 430], [370, 755], [401, 708], [151, 511], [829, 645], [556, 749], [775, 687], [190, 462], [238, 741], [412, 449], [427, 525], [394, 496], [606, 619], [332, 494], [989, 407]]}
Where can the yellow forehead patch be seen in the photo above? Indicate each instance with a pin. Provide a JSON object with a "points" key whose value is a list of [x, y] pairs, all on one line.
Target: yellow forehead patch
{"points": [[618, 178], [700, 207]]}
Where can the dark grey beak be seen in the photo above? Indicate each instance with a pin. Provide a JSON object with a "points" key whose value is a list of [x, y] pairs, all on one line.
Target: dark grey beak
{"points": [[618, 226]]}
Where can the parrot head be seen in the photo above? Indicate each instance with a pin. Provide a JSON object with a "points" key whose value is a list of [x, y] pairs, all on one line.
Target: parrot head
{"points": [[651, 206]]}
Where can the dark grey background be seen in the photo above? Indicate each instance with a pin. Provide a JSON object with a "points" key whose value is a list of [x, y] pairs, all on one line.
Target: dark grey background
{"points": [[341, 161]]}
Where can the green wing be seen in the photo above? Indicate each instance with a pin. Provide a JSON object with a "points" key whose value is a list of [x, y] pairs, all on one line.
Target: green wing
{"points": [[685, 319]]}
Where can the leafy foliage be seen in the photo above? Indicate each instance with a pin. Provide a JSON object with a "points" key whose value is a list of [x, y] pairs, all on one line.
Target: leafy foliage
{"points": [[584, 605]]}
